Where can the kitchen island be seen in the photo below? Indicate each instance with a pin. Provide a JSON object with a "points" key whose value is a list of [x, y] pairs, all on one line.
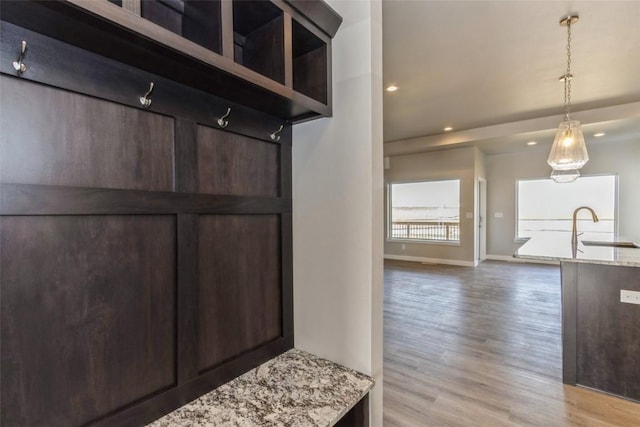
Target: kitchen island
{"points": [[600, 334]]}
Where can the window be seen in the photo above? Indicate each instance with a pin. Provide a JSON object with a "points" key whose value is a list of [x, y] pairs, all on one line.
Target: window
{"points": [[427, 211], [547, 207]]}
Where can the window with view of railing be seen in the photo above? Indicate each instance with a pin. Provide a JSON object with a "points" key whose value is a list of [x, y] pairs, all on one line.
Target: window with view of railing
{"points": [[425, 210], [428, 230]]}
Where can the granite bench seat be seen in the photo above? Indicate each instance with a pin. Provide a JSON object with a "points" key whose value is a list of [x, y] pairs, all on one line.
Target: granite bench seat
{"points": [[293, 389]]}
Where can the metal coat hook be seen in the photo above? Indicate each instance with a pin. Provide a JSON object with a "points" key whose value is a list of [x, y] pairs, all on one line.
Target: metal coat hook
{"points": [[274, 136], [222, 121], [146, 99], [18, 65]]}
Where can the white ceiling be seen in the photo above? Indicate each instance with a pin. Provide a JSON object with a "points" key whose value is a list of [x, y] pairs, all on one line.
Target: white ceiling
{"points": [[478, 65]]}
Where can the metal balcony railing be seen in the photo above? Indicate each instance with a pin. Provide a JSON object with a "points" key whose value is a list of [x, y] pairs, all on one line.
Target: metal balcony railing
{"points": [[426, 230]]}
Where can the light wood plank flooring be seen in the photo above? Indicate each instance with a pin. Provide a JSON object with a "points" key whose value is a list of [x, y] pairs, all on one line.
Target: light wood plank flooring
{"points": [[482, 347]]}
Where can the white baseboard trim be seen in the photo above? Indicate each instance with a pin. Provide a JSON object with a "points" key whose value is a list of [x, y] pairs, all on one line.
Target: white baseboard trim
{"points": [[504, 258], [430, 260], [520, 260]]}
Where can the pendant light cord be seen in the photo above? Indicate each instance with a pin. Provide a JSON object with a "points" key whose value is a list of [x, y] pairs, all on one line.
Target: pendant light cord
{"points": [[567, 77]]}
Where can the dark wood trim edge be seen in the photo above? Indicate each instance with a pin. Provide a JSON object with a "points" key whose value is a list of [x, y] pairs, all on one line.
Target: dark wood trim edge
{"points": [[319, 13], [286, 242], [30, 199], [569, 321], [187, 310], [286, 232], [226, 21], [288, 51]]}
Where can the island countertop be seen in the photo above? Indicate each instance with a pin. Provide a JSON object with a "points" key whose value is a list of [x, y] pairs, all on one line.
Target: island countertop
{"points": [[293, 389], [556, 246]]}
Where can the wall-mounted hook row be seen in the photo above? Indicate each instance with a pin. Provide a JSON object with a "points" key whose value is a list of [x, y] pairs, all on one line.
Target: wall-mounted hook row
{"points": [[18, 65], [146, 99], [275, 136], [222, 121]]}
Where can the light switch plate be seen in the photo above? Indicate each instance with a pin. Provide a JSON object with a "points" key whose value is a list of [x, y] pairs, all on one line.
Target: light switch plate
{"points": [[630, 297]]}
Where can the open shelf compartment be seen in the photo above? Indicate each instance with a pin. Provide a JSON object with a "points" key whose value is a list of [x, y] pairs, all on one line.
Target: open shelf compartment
{"points": [[309, 63], [258, 38], [195, 20]]}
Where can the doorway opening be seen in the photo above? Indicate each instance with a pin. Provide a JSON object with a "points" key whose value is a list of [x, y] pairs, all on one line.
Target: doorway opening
{"points": [[481, 228]]}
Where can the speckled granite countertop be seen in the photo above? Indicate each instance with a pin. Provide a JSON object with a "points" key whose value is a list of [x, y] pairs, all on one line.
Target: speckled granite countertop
{"points": [[556, 246], [293, 389]]}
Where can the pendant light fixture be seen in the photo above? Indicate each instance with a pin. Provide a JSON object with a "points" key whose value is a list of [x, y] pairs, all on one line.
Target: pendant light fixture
{"points": [[569, 152]]}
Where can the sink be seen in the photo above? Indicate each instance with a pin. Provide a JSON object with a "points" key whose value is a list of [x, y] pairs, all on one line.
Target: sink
{"points": [[611, 244]]}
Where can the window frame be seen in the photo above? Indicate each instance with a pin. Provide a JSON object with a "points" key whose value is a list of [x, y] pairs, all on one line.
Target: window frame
{"points": [[389, 212]]}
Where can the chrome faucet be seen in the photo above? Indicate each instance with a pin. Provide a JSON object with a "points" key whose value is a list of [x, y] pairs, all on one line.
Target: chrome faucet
{"points": [[574, 231]]}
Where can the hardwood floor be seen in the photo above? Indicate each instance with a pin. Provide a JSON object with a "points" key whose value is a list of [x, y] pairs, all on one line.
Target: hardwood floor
{"points": [[481, 346]]}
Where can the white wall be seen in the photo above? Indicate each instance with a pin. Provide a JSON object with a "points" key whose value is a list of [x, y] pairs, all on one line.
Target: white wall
{"points": [[337, 207], [466, 164], [503, 170]]}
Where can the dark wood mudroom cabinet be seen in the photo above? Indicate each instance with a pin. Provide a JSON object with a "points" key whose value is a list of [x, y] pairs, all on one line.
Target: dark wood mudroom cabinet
{"points": [[146, 250]]}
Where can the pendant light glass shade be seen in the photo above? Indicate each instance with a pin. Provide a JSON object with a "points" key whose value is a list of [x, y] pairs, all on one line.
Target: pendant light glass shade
{"points": [[568, 151], [566, 176]]}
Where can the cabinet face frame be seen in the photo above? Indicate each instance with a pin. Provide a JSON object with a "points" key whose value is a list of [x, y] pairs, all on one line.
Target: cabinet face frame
{"points": [[73, 69]]}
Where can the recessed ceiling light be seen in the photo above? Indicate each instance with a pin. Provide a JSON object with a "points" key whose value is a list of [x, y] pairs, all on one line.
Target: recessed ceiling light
{"points": [[392, 88], [531, 143], [448, 128], [599, 134]]}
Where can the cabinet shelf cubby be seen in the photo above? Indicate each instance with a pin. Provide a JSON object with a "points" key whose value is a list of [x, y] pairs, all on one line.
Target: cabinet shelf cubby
{"points": [[309, 63], [198, 21], [258, 38]]}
